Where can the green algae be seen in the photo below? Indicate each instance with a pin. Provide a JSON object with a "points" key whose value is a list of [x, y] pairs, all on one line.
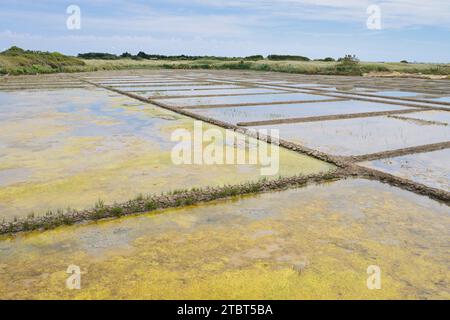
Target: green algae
{"points": [[73, 147], [246, 248]]}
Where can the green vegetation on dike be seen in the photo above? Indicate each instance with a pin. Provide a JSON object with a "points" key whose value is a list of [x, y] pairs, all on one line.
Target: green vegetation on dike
{"points": [[16, 61]]}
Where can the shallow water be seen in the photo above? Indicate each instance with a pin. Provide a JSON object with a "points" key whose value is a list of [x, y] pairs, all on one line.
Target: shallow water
{"points": [[442, 117], [243, 99], [213, 92], [350, 89], [317, 245], [146, 89], [363, 135], [155, 84], [430, 168], [399, 94], [120, 83], [306, 85], [271, 112], [442, 99], [70, 148]]}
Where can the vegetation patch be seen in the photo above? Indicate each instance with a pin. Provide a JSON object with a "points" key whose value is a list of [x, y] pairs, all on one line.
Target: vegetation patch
{"points": [[18, 61], [348, 65], [278, 57], [145, 56], [149, 203]]}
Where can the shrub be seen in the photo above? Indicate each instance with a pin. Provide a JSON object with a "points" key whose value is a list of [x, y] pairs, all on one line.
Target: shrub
{"points": [[276, 57], [126, 55], [19, 61], [117, 210], [327, 59], [349, 59], [348, 65], [150, 205], [98, 55], [254, 58]]}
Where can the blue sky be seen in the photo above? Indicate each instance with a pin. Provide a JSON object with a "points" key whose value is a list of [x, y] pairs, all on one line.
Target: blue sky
{"points": [[411, 29]]}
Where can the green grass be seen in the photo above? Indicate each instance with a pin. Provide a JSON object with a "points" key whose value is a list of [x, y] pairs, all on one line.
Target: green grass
{"points": [[149, 203], [300, 67], [17, 61]]}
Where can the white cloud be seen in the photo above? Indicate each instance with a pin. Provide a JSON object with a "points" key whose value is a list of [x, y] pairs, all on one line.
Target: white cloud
{"points": [[228, 27], [395, 13]]}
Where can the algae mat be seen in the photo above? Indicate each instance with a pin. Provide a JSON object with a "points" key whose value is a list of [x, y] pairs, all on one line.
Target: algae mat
{"points": [[317, 244], [72, 147]]}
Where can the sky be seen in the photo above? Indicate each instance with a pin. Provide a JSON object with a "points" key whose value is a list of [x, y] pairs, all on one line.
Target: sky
{"points": [[413, 30]]}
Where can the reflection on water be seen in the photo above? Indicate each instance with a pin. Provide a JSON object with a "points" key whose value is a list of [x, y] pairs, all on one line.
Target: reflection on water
{"points": [[399, 94], [69, 148], [442, 117], [430, 168], [259, 113], [177, 87], [363, 135], [212, 92], [442, 99], [243, 99]]}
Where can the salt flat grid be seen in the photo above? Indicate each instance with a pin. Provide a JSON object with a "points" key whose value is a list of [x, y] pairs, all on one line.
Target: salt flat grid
{"points": [[355, 95], [319, 89], [430, 168], [357, 88]]}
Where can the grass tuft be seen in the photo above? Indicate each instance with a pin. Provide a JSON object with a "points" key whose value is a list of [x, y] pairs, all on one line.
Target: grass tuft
{"points": [[176, 198]]}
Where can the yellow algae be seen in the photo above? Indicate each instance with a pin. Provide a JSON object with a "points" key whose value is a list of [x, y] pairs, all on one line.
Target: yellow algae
{"points": [[26, 131], [291, 163], [76, 150], [317, 245]]}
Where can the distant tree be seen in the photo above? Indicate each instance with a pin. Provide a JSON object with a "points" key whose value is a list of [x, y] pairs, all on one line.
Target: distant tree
{"points": [[327, 59], [350, 59], [404, 61], [254, 58], [126, 55], [277, 57], [348, 65], [98, 55], [142, 55]]}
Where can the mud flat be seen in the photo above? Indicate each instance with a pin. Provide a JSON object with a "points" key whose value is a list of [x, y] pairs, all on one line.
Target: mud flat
{"points": [[317, 244], [72, 147]]}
